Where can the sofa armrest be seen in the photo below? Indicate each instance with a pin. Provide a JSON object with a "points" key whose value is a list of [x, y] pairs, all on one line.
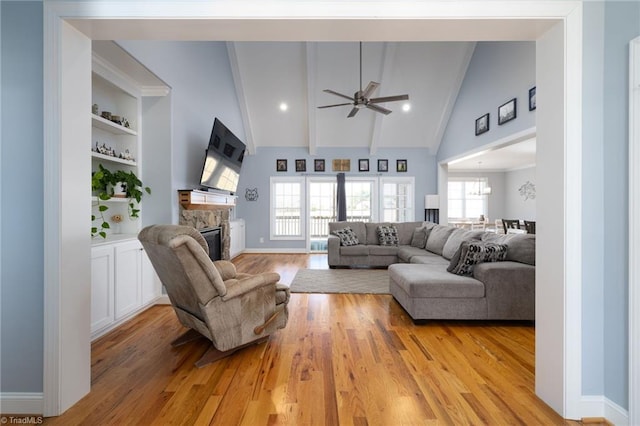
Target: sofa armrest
{"points": [[509, 289], [333, 250], [236, 288]]}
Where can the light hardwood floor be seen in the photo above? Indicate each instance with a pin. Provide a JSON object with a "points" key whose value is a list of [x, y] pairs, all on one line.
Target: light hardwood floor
{"points": [[341, 360]]}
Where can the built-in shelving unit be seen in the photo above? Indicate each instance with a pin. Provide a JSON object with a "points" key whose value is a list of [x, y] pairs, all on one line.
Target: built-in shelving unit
{"points": [[110, 126]]}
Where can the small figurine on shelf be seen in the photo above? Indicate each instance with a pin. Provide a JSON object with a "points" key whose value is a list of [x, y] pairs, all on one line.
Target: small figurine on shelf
{"points": [[94, 109], [125, 122]]}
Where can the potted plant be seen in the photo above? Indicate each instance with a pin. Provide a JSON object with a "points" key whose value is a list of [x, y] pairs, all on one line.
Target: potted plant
{"points": [[103, 182]]}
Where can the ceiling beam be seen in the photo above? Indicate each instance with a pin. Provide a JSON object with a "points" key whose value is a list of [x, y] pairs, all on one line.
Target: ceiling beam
{"points": [[388, 56], [242, 99], [311, 50]]}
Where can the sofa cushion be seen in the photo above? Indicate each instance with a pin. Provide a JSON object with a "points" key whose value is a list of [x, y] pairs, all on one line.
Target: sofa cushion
{"points": [[405, 232], [347, 236], [405, 253], [387, 235], [438, 237], [522, 247], [434, 282], [456, 238], [419, 237], [357, 250], [471, 253], [383, 250], [430, 259]]}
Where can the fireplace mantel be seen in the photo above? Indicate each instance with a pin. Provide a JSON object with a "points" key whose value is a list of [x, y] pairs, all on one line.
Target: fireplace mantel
{"points": [[203, 200]]}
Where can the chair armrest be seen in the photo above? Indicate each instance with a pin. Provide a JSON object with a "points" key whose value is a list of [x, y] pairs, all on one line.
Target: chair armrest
{"points": [[226, 269], [236, 288]]}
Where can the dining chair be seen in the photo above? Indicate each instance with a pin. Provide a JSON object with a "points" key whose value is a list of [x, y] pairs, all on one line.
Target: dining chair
{"points": [[510, 224], [530, 226]]}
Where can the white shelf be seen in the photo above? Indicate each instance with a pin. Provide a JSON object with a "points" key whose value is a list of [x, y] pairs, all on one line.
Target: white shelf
{"points": [[113, 238], [110, 126], [112, 159], [112, 200]]}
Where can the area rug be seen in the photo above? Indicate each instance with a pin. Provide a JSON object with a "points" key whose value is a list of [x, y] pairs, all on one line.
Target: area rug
{"points": [[341, 281]]}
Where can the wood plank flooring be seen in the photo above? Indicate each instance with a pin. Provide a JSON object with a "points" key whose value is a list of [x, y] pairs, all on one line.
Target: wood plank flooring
{"points": [[343, 359]]}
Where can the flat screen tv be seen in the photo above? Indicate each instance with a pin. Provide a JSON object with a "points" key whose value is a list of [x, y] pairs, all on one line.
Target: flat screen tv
{"points": [[223, 161]]}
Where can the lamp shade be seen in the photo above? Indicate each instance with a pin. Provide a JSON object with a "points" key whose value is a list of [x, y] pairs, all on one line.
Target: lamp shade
{"points": [[432, 201]]}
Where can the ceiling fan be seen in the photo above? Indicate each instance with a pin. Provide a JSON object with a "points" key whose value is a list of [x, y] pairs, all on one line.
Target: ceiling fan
{"points": [[361, 98]]}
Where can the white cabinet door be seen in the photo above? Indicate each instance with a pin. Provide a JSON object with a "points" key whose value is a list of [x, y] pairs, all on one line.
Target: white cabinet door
{"points": [[151, 286], [102, 281], [128, 278], [236, 237]]}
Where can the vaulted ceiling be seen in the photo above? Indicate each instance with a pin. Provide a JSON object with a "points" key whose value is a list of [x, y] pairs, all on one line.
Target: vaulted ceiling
{"points": [[267, 74]]}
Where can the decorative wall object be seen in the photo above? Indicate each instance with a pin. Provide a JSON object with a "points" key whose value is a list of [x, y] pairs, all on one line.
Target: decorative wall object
{"points": [[281, 165], [528, 191], [363, 165], [341, 165], [482, 124], [532, 98], [301, 165], [251, 194], [401, 165], [507, 112], [383, 165], [318, 165]]}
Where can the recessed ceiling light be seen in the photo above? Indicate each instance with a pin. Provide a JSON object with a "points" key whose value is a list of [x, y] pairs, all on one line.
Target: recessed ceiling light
{"points": [[284, 106], [406, 107]]}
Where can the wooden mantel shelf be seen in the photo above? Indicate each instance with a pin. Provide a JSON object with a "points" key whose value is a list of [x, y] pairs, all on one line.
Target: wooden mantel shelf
{"points": [[203, 200]]}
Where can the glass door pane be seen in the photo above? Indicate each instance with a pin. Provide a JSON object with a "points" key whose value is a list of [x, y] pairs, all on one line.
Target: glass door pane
{"points": [[322, 210]]}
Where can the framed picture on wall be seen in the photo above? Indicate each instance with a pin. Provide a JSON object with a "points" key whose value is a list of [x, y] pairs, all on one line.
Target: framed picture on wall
{"points": [[401, 165], [532, 98], [281, 165], [482, 124], [383, 165], [318, 165], [301, 165], [507, 112], [363, 165]]}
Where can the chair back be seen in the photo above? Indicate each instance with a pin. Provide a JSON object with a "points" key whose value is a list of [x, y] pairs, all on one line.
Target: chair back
{"points": [[510, 224], [179, 254], [530, 226]]}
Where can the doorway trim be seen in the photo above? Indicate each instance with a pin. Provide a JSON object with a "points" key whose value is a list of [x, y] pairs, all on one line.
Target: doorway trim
{"points": [[566, 13]]}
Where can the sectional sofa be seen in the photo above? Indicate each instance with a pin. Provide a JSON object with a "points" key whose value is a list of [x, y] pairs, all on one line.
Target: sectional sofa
{"points": [[443, 272]]}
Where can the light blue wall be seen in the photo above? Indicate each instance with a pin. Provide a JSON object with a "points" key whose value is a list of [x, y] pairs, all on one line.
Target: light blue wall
{"points": [[622, 24], [498, 72], [21, 177], [515, 205], [257, 169], [201, 88]]}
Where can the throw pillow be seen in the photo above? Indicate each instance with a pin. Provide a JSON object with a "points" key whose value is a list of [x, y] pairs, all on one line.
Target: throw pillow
{"points": [[387, 235], [347, 236], [473, 252], [419, 237]]}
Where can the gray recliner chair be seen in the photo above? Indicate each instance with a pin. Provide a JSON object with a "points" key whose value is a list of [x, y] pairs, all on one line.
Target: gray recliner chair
{"points": [[212, 299]]}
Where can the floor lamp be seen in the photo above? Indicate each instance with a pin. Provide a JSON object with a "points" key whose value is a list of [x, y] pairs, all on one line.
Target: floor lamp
{"points": [[432, 208]]}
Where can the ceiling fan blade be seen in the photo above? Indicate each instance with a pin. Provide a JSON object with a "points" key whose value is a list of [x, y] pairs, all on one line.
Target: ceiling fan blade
{"points": [[338, 94], [389, 99], [371, 87], [353, 112], [335, 105], [377, 108]]}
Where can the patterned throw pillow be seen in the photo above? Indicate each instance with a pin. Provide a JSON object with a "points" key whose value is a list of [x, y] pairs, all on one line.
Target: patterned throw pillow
{"points": [[347, 236], [387, 235], [473, 252]]}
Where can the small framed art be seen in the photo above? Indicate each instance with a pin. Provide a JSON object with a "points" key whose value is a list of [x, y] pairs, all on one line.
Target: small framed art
{"points": [[482, 124], [318, 165], [532, 98], [341, 165], [383, 165], [507, 112], [363, 165], [301, 165], [281, 165], [401, 165]]}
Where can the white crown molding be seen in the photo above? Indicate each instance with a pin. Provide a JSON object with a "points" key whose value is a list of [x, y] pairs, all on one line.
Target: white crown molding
{"points": [[154, 91]]}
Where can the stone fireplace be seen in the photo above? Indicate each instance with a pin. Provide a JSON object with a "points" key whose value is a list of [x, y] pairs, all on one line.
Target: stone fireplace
{"points": [[199, 213]]}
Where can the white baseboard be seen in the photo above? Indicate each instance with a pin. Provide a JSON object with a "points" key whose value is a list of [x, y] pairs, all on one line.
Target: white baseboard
{"points": [[600, 406], [22, 402], [163, 300], [276, 251]]}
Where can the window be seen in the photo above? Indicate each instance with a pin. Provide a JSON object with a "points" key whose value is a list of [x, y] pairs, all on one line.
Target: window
{"points": [[287, 208], [465, 200], [397, 199], [361, 199]]}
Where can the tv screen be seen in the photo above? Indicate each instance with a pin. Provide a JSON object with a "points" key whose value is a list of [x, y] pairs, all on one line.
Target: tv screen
{"points": [[223, 161]]}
